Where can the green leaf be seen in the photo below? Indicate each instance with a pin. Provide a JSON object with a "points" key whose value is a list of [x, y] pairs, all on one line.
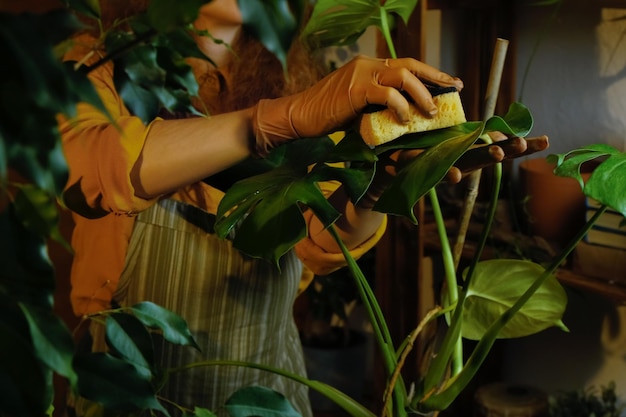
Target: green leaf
{"points": [[607, 183], [38, 212], [516, 122], [115, 383], [166, 16], [259, 402], [272, 23], [130, 340], [25, 385], [35, 89], [269, 204], [27, 273], [342, 22], [425, 171], [497, 285], [174, 327], [199, 412], [52, 341], [89, 8]]}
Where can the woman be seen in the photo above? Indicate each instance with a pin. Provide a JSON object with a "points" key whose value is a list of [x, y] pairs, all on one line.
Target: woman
{"points": [[143, 213]]}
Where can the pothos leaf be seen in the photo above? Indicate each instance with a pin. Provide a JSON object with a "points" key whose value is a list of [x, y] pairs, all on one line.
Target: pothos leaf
{"points": [[342, 22], [497, 285], [607, 183]]}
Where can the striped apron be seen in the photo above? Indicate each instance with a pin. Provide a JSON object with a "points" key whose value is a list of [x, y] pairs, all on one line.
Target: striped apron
{"points": [[237, 308]]}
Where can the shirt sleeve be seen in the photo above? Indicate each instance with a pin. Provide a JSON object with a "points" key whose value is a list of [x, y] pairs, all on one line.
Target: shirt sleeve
{"points": [[101, 151]]}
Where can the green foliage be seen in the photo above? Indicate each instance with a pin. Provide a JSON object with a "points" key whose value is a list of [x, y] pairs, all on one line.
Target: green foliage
{"points": [[497, 285], [607, 183], [342, 22], [259, 401], [151, 75]]}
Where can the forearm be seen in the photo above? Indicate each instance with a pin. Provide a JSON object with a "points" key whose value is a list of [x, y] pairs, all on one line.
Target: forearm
{"points": [[180, 152]]}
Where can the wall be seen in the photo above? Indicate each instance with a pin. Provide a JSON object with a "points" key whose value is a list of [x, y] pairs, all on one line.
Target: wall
{"points": [[576, 90]]}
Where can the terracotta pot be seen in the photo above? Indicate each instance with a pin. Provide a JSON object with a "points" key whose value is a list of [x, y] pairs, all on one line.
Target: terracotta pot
{"points": [[555, 206]]}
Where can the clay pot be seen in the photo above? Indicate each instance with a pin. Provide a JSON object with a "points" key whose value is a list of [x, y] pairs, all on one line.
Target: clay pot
{"points": [[554, 206]]}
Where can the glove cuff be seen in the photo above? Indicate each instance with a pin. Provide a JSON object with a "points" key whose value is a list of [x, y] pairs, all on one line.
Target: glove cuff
{"points": [[271, 125]]}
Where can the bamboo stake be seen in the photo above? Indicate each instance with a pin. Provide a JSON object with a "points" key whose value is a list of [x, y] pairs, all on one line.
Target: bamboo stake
{"points": [[491, 97]]}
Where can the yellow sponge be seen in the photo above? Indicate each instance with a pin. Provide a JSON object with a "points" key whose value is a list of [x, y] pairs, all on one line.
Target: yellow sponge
{"points": [[382, 126]]}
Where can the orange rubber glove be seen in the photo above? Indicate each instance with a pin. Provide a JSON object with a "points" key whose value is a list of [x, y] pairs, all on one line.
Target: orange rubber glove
{"points": [[338, 98]]}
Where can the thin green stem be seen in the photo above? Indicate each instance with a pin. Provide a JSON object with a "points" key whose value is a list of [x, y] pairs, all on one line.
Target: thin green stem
{"points": [[450, 274], [379, 325], [350, 405], [384, 25]]}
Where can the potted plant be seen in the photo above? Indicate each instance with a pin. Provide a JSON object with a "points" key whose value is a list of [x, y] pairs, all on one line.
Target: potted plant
{"points": [[527, 298]]}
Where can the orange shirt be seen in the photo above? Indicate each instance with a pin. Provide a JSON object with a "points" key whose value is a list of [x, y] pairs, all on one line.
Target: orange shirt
{"points": [[101, 154]]}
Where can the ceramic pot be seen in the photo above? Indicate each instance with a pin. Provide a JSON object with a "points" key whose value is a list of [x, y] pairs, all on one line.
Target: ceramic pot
{"points": [[554, 206]]}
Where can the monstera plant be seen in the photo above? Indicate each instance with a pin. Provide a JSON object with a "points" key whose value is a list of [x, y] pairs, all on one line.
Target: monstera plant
{"points": [[37, 86]]}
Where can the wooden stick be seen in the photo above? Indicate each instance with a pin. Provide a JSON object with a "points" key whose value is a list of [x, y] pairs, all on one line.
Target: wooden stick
{"points": [[473, 180]]}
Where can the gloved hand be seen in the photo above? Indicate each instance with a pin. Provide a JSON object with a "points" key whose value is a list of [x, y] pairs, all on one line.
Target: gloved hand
{"points": [[338, 98], [477, 157]]}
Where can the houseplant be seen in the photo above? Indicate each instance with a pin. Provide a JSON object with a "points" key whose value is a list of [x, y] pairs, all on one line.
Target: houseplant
{"points": [[26, 290]]}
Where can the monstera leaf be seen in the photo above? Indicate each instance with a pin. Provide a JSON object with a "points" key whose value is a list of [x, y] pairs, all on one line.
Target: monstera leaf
{"points": [[445, 146], [267, 208], [342, 22], [607, 183]]}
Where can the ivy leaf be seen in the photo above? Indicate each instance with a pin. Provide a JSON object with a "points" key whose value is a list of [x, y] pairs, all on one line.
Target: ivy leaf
{"points": [[272, 23], [342, 22], [52, 341], [115, 383], [425, 171], [497, 285], [130, 340], [174, 327], [261, 402]]}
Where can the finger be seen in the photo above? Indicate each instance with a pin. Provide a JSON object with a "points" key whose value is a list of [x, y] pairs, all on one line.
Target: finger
{"points": [[513, 147], [454, 176], [497, 136], [536, 144], [426, 72], [481, 157], [404, 80]]}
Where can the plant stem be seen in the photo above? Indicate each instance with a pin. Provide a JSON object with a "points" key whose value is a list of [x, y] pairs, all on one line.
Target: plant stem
{"points": [[379, 325], [350, 405], [451, 285], [384, 24]]}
